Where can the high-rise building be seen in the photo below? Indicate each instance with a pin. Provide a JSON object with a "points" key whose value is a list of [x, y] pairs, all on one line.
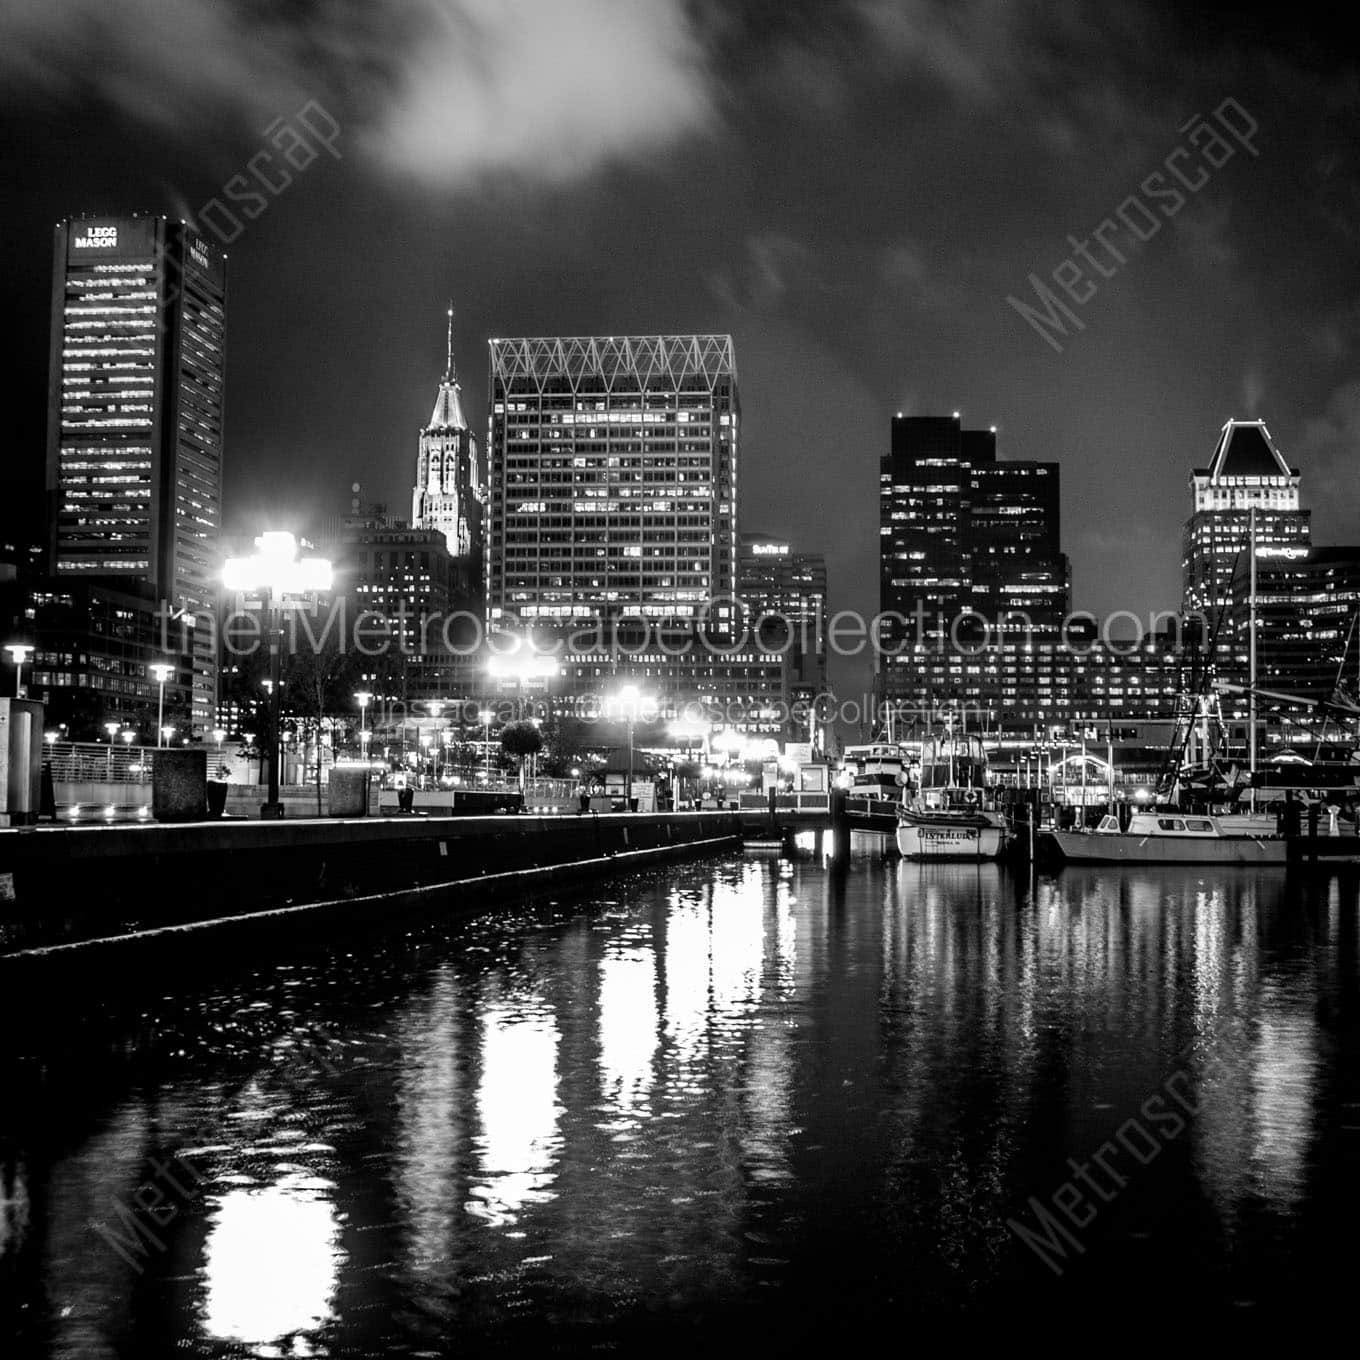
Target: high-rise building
{"points": [[1246, 473], [135, 417], [613, 470], [1306, 628], [450, 489], [783, 595], [971, 567]]}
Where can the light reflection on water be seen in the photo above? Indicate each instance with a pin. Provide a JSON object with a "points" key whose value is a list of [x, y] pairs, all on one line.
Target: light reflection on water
{"points": [[734, 1087]]}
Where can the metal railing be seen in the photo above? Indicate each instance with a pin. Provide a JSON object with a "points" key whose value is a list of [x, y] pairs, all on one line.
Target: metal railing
{"points": [[753, 801], [89, 762]]}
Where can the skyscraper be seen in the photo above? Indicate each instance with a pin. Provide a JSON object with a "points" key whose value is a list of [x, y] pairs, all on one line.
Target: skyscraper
{"points": [[450, 489], [135, 416], [613, 478], [1247, 472], [971, 571]]}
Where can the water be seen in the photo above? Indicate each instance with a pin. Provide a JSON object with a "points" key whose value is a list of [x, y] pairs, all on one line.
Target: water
{"points": [[744, 1103]]}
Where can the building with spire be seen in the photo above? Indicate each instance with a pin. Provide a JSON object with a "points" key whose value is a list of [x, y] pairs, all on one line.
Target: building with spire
{"points": [[450, 490]]}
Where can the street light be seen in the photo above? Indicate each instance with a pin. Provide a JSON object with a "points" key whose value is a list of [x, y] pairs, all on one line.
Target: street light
{"points": [[19, 652], [112, 729], [626, 701], [275, 571], [166, 733], [161, 672], [486, 715], [363, 698]]}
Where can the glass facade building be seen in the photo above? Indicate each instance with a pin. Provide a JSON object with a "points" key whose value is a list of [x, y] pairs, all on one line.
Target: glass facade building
{"points": [[613, 469], [973, 586], [135, 417]]}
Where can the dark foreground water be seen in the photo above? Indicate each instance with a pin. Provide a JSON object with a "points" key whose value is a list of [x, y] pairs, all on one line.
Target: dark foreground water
{"points": [[744, 1104]]}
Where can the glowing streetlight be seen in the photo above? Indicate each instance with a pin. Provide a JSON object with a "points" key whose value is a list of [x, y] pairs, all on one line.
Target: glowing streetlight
{"points": [[19, 652], [166, 733], [112, 729], [627, 701], [274, 572], [160, 672], [363, 698], [486, 715]]}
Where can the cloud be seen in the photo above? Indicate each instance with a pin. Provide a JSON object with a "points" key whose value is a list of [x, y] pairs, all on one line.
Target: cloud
{"points": [[445, 92], [774, 264]]}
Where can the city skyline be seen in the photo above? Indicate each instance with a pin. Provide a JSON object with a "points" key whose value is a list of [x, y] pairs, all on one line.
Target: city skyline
{"points": [[829, 318]]}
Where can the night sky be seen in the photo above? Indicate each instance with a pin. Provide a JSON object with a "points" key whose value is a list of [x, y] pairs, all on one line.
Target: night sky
{"points": [[852, 190]]}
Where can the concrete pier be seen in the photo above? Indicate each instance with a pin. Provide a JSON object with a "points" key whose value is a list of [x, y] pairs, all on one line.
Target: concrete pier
{"points": [[63, 886]]}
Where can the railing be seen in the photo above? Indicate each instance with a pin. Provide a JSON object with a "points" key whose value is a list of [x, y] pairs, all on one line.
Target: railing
{"points": [[88, 762], [751, 801]]}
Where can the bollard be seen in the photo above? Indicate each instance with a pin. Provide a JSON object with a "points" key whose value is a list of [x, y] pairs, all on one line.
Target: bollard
{"points": [[348, 791], [179, 785]]}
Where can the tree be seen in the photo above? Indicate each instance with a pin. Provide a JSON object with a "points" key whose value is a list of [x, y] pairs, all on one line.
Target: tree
{"points": [[521, 739], [319, 680]]}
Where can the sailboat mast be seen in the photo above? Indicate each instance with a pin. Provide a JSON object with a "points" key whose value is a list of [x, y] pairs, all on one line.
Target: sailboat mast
{"points": [[1251, 654]]}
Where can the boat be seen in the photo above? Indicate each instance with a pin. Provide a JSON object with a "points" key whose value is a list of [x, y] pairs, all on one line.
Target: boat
{"points": [[875, 770], [951, 814], [1164, 836]]}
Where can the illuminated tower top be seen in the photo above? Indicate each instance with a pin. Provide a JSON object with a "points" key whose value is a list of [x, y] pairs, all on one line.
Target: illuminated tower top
{"points": [[449, 489]]}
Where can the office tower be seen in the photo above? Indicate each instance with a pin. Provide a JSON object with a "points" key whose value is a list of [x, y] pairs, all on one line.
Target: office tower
{"points": [[613, 468], [450, 489], [973, 584], [424, 595], [783, 594], [135, 419], [1307, 632], [1247, 472]]}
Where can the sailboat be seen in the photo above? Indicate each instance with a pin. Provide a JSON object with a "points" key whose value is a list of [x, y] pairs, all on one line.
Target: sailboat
{"points": [[1169, 835]]}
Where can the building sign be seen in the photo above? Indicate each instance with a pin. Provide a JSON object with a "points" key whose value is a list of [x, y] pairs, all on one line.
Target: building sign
{"points": [[198, 252], [770, 549], [95, 238]]}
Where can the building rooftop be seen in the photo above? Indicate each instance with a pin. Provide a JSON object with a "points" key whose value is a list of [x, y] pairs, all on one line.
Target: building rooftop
{"points": [[1245, 449]]}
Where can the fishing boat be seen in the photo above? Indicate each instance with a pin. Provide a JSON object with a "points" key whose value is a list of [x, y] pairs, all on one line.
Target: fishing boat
{"points": [[951, 814]]}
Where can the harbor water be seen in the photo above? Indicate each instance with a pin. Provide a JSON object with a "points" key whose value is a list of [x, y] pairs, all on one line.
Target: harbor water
{"points": [[754, 1102]]}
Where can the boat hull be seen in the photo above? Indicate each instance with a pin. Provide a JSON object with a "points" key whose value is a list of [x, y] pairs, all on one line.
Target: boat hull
{"points": [[1077, 848], [944, 840]]}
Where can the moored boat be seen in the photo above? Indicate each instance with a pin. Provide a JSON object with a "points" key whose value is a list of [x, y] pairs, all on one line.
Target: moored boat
{"points": [[951, 814], [1164, 836]]}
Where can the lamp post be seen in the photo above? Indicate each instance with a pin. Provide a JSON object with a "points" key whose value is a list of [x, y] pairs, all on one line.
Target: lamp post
{"points": [[249, 739], [363, 698], [276, 571], [486, 715], [112, 729], [627, 701], [19, 652], [161, 672]]}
